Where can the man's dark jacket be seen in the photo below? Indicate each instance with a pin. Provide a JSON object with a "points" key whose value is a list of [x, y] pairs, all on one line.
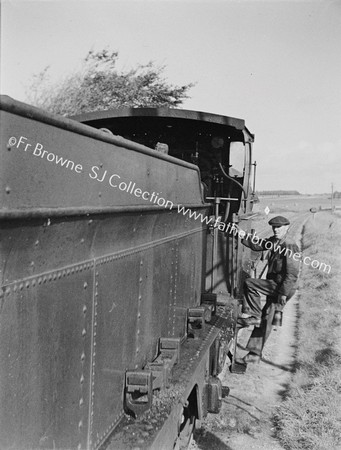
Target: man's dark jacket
{"points": [[283, 267]]}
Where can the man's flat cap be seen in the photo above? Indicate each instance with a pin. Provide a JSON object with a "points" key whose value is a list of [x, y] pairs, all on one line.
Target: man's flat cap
{"points": [[279, 221]]}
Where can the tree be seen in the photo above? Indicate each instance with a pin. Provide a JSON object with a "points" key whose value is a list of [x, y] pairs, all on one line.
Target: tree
{"points": [[100, 85]]}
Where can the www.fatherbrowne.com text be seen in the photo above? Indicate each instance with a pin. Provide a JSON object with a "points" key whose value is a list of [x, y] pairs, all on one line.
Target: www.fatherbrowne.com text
{"points": [[114, 181]]}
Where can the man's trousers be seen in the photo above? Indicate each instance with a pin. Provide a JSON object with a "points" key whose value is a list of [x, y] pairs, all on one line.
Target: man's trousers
{"points": [[253, 289]]}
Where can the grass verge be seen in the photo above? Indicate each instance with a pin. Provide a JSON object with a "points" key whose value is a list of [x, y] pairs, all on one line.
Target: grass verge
{"points": [[310, 415]]}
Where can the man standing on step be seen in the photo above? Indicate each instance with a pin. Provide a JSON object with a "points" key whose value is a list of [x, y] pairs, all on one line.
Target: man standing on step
{"points": [[278, 287]]}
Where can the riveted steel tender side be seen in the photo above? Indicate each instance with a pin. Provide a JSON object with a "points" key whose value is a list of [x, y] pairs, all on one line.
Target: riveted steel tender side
{"points": [[110, 331]]}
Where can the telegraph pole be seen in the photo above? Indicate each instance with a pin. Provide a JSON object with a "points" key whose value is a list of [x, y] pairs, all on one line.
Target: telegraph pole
{"points": [[332, 199]]}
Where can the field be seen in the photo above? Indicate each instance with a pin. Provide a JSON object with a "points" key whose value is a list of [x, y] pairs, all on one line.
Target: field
{"points": [[310, 416], [298, 204]]}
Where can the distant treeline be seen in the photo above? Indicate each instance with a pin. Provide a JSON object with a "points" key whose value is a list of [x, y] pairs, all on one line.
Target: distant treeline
{"points": [[277, 193]]}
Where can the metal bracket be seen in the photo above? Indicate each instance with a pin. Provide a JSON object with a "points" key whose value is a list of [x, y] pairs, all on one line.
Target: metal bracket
{"points": [[161, 367], [209, 299], [196, 321], [170, 348], [161, 371], [139, 384], [138, 391]]}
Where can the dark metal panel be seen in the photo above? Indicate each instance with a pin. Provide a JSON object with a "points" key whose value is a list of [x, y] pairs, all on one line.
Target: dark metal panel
{"points": [[189, 260], [32, 178], [139, 260], [32, 247], [131, 314], [138, 300], [45, 339], [115, 328], [163, 289]]}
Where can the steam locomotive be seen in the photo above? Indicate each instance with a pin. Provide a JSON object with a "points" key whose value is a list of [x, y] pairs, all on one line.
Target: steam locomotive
{"points": [[118, 289]]}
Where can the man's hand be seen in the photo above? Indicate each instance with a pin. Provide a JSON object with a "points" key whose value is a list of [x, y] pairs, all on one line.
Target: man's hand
{"points": [[282, 299]]}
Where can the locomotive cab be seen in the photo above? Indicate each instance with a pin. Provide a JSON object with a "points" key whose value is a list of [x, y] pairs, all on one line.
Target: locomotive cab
{"points": [[221, 147]]}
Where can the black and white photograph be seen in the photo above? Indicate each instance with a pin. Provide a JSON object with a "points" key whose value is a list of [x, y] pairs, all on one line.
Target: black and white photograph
{"points": [[170, 225]]}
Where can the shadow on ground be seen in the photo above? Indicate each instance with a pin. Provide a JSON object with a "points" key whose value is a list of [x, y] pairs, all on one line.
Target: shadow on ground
{"points": [[207, 440]]}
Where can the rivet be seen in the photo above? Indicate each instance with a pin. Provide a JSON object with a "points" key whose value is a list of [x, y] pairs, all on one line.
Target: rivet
{"points": [[81, 401], [84, 332], [84, 309], [85, 285], [83, 356], [27, 284], [8, 189], [21, 286], [82, 379]]}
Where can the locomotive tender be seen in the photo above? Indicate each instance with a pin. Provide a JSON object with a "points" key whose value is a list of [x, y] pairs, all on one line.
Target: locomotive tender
{"points": [[111, 335]]}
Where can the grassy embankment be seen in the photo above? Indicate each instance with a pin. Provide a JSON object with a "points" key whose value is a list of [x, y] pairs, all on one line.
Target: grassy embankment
{"points": [[310, 415]]}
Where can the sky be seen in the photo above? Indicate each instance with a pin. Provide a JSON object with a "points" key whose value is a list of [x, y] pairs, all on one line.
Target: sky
{"points": [[276, 64]]}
